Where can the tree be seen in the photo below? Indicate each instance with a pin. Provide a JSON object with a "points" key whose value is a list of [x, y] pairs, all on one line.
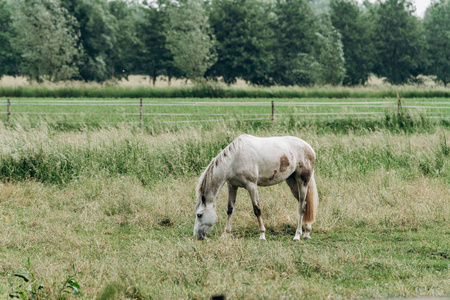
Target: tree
{"points": [[437, 25], [399, 42], [294, 35], [243, 41], [124, 52], [46, 40], [329, 54], [153, 57], [8, 57], [98, 37], [347, 18], [107, 38], [190, 38]]}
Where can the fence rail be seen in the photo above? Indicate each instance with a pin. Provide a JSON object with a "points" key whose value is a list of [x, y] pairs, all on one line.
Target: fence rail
{"points": [[427, 109]]}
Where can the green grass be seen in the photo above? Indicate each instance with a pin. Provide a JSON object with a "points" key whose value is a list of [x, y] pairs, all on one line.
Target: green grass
{"points": [[161, 115], [39, 154], [217, 91], [113, 207]]}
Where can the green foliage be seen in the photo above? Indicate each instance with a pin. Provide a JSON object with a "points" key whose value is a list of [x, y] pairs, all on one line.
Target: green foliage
{"points": [[329, 67], [399, 41], [98, 39], [347, 17], [107, 38], [190, 39], [46, 40], [153, 57], [123, 57], [263, 43], [437, 25], [8, 57], [243, 36], [32, 286], [294, 30]]}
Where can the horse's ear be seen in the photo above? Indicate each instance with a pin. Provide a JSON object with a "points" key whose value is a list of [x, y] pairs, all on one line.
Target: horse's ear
{"points": [[203, 199]]}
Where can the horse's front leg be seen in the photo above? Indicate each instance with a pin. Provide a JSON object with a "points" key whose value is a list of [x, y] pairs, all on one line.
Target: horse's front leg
{"points": [[253, 191], [232, 192]]}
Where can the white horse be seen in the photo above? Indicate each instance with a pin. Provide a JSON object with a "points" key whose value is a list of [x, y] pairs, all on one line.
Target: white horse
{"points": [[249, 162]]}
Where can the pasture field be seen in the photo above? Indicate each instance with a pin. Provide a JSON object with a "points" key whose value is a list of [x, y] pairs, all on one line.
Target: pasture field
{"points": [[111, 209], [159, 114]]}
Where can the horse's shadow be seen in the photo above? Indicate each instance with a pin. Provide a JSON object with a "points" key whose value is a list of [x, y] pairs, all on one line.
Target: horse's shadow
{"points": [[286, 230]]}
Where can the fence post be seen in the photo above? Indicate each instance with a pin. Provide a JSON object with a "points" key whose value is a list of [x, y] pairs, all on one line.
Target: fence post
{"points": [[273, 109], [8, 112], [140, 114], [399, 105]]}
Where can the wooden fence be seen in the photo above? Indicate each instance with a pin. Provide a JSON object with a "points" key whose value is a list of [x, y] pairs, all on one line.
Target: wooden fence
{"points": [[278, 109]]}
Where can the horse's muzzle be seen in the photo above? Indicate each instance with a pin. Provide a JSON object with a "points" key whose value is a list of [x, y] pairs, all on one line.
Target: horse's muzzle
{"points": [[201, 235]]}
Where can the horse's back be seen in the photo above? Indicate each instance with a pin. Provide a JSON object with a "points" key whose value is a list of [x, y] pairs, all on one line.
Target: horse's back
{"points": [[270, 160], [270, 146]]}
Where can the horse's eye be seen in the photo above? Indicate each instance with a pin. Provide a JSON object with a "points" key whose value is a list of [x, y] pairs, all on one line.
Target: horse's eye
{"points": [[199, 215]]}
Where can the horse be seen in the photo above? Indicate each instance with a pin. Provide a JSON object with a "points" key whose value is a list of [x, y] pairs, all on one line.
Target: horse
{"points": [[249, 162]]}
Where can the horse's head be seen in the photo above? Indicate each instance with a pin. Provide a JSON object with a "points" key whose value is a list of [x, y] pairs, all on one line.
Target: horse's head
{"points": [[205, 219]]}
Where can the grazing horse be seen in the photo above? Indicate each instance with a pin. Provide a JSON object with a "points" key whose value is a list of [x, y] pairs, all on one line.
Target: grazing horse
{"points": [[249, 162]]}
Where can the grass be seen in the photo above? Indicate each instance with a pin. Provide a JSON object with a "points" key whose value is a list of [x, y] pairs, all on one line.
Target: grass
{"points": [[116, 204], [47, 156], [139, 87], [220, 92], [160, 115]]}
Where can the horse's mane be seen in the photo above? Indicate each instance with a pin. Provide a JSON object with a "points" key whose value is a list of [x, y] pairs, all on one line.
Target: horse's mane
{"points": [[217, 161]]}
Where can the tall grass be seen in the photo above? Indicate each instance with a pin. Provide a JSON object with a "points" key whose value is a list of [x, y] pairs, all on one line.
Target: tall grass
{"points": [[50, 157], [39, 154], [217, 91]]}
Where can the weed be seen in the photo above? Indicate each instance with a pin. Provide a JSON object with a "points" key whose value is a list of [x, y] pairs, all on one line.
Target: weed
{"points": [[32, 287]]}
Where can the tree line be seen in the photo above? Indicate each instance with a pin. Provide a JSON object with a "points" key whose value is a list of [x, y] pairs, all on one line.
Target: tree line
{"points": [[281, 42]]}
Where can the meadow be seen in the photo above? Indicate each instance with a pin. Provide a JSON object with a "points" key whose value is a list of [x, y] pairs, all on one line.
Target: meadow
{"points": [[113, 207], [162, 114], [103, 209]]}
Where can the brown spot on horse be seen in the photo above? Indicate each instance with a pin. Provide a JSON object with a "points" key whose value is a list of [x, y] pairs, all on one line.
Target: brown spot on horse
{"points": [[284, 163], [310, 156]]}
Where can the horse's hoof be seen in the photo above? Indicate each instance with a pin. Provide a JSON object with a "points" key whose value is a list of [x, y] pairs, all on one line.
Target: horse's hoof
{"points": [[225, 235], [296, 239], [306, 237]]}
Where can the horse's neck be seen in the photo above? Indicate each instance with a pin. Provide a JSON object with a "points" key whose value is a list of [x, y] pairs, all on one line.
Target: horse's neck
{"points": [[216, 182]]}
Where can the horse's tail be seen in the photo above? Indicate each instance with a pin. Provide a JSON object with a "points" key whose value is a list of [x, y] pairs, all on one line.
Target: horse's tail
{"points": [[312, 202]]}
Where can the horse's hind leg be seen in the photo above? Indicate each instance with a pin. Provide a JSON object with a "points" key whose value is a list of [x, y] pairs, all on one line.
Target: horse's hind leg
{"points": [[301, 210], [232, 192], [299, 189], [308, 228], [253, 191], [294, 184]]}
